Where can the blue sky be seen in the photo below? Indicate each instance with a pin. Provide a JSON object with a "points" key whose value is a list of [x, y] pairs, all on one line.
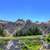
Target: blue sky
{"points": [[25, 9]]}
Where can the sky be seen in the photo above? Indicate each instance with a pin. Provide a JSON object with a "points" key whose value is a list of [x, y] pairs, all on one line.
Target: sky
{"points": [[35, 10]]}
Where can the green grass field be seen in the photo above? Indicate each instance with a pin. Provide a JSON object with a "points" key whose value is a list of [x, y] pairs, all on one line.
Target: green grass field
{"points": [[29, 42]]}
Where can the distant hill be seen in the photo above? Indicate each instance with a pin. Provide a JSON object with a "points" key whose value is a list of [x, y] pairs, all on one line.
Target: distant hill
{"points": [[21, 25]]}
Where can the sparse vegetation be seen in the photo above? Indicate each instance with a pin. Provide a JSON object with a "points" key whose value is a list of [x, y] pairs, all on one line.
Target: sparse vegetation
{"points": [[32, 31]]}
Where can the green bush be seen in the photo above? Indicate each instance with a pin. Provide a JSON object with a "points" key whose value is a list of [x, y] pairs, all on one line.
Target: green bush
{"points": [[1, 32], [48, 38], [34, 31]]}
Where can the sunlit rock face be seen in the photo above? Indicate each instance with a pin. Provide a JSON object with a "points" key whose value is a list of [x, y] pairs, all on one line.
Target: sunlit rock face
{"points": [[28, 24], [13, 45], [20, 23], [47, 47], [12, 48], [2, 25], [10, 27]]}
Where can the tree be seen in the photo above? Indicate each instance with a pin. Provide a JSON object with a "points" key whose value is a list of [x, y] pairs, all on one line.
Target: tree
{"points": [[31, 31], [34, 31], [1, 32], [37, 31]]}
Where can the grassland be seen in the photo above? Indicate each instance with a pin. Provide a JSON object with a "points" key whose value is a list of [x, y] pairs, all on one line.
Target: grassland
{"points": [[29, 42]]}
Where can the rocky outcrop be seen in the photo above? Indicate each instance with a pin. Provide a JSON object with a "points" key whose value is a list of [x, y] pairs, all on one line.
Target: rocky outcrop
{"points": [[22, 25]]}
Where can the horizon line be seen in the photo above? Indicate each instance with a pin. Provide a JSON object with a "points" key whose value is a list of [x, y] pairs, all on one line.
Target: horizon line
{"points": [[22, 19]]}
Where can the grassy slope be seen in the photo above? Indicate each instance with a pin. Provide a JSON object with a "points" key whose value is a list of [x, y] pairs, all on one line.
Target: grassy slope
{"points": [[31, 42]]}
